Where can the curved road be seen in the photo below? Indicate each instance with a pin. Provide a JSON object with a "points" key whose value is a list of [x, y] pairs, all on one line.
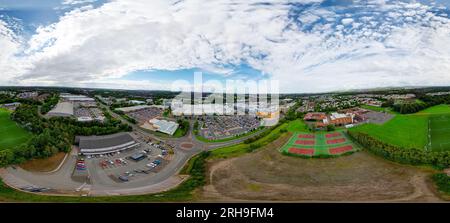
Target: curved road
{"points": [[165, 179]]}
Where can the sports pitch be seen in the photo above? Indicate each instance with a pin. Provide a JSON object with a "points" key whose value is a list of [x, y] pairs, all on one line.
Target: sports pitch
{"points": [[316, 144], [439, 133], [11, 135]]}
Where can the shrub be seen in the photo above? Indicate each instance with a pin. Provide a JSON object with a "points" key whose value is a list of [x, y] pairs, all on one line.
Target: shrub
{"points": [[442, 182]]}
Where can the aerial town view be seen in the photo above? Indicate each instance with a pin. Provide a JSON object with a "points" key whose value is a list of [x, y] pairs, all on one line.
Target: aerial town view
{"points": [[188, 101]]}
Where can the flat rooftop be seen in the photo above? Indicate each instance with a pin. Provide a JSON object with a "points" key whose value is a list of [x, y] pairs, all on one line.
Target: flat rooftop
{"points": [[62, 109], [133, 108], [105, 142]]}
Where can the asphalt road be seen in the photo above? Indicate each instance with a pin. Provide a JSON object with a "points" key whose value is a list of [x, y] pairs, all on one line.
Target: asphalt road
{"points": [[163, 180]]}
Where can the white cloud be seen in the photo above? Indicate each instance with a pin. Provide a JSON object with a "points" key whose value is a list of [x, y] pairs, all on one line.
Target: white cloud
{"points": [[398, 44], [77, 2], [347, 21], [10, 64]]}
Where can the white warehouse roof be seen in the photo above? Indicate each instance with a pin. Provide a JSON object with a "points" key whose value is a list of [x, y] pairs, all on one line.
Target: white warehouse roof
{"points": [[164, 126], [62, 109], [133, 108]]}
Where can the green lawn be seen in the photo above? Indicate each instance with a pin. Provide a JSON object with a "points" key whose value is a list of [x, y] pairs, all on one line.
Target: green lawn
{"points": [[438, 109], [180, 133], [373, 108], [11, 135], [440, 132], [297, 126], [408, 131]]}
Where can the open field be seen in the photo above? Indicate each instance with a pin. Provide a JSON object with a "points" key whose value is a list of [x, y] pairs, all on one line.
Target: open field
{"points": [[316, 144], [373, 108], [268, 175], [438, 109], [297, 126], [439, 133], [407, 131], [10, 134], [44, 165]]}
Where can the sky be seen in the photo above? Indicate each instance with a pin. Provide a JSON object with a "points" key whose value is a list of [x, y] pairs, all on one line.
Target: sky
{"points": [[308, 46]]}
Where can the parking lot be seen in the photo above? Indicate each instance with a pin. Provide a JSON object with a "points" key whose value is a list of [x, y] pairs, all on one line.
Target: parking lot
{"points": [[143, 115], [377, 117], [130, 165], [220, 127]]}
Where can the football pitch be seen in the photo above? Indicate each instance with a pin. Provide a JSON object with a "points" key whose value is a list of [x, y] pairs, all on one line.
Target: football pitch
{"points": [[439, 133], [11, 135], [321, 143]]}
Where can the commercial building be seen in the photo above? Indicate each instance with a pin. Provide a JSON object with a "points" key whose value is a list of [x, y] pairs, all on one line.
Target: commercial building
{"points": [[315, 116], [11, 106], [28, 95], [93, 145], [341, 119], [138, 157], [164, 126], [133, 108], [137, 102], [62, 109], [75, 98]]}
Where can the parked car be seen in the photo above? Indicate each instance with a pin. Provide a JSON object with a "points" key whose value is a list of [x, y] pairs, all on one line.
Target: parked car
{"points": [[157, 162], [123, 178]]}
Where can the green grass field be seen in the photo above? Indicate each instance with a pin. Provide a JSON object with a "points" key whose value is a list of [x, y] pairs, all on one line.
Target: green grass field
{"points": [[439, 132], [297, 126], [407, 131], [373, 108], [320, 146], [10, 134], [438, 109]]}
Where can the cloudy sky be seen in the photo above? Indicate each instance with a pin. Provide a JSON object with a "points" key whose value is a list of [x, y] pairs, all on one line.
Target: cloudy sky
{"points": [[307, 45]]}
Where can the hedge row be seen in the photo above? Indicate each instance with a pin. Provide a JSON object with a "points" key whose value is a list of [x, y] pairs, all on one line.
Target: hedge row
{"points": [[412, 156]]}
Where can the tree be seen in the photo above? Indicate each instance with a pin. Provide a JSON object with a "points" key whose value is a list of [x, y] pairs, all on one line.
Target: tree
{"points": [[331, 128], [6, 157]]}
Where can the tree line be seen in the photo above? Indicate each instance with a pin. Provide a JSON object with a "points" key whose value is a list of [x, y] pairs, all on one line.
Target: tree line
{"points": [[49, 103], [425, 101]]}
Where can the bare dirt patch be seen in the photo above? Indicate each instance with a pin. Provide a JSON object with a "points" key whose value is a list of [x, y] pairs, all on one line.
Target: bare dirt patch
{"points": [[187, 146], [44, 165], [268, 175]]}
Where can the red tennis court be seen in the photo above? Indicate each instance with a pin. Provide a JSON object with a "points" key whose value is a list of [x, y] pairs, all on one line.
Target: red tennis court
{"points": [[305, 142], [342, 149], [301, 151], [335, 141], [306, 136], [332, 135]]}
